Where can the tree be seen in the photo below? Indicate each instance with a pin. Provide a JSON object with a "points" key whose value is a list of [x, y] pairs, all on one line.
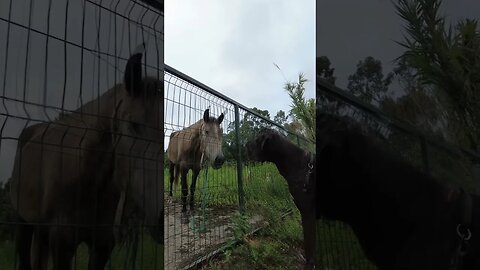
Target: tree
{"points": [[281, 118], [324, 70], [326, 73], [419, 106], [302, 109], [248, 127], [448, 58], [368, 82]]}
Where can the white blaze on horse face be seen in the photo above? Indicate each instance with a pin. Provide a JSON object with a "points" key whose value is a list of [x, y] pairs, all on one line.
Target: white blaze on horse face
{"points": [[211, 141]]}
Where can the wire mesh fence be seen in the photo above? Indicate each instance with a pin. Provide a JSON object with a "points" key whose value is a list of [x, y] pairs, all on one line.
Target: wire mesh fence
{"points": [[238, 186], [81, 134], [337, 245]]}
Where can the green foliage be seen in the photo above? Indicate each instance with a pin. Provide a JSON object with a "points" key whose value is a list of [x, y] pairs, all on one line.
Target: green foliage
{"points": [[326, 73], [249, 126], [420, 106], [281, 118], [266, 199], [324, 70], [338, 247], [368, 82], [447, 57], [276, 247], [264, 253], [239, 226], [302, 109], [149, 255]]}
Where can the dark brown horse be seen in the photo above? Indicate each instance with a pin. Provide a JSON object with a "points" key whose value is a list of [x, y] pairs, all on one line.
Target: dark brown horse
{"points": [[189, 149], [403, 217], [297, 167], [76, 177]]}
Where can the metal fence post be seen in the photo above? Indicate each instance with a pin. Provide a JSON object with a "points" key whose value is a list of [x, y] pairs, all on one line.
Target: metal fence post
{"points": [[426, 163], [239, 160]]}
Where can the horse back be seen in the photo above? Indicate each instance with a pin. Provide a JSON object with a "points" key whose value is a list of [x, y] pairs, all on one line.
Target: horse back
{"points": [[55, 169], [182, 145]]}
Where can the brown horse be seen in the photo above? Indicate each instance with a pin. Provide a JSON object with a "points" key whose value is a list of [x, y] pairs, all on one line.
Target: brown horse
{"points": [[74, 178], [191, 147]]}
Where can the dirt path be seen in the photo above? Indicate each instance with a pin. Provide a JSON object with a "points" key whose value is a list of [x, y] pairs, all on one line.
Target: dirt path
{"points": [[183, 245]]}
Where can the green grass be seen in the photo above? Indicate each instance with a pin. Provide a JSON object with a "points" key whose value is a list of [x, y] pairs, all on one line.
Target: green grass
{"points": [[7, 257], [276, 247], [280, 245], [266, 194], [149, 256], [338, 248]]}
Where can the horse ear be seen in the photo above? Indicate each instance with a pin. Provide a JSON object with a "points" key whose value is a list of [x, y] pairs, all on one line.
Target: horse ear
{"points": [[133, 71], [206, 116], [220, 119]]}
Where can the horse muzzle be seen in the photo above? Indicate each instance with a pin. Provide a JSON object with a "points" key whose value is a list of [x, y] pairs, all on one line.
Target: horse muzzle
{"points": [[218, 162]]}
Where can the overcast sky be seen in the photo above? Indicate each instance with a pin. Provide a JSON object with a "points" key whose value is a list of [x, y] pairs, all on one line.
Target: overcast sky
{"points": [[231, 46], [349, 31]]}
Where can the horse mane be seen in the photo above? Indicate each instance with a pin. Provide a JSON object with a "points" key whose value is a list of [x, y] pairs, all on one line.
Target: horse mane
{"points": [[195, 127], [98, 108]]}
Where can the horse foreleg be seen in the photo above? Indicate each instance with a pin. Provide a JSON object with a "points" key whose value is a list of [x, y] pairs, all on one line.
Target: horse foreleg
{"points": [[184, 195], [39, 252], [23, 239], [309, 230], [100, 250], [62, 247], [192, 189]]}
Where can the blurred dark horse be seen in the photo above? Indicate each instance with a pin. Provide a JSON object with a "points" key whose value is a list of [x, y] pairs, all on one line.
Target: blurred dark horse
{"points": [[78, 176], [402, 217], [297, 167], [189, 149]]}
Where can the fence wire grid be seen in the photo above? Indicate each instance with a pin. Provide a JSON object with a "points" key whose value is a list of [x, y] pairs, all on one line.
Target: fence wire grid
{"points": [[81, 143], [221, 194]]}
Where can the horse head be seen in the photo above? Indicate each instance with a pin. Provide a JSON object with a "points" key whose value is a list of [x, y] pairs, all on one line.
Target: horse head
{"points": [[137, 128], [211, 139]]}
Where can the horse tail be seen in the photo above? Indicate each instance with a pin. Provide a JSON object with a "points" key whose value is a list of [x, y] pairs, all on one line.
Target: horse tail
{"points": [[176, 174]]}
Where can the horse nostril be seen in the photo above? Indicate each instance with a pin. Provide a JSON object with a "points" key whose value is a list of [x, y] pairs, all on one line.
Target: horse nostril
{"points": [[219, 160]]}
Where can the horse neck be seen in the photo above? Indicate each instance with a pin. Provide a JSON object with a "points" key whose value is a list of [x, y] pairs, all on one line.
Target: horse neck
{"points": [[195, 128], [98, 112], [194, 134], [288, 156], [193, 131]]}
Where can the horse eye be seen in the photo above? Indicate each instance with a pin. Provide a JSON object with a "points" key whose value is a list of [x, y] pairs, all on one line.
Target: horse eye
{"points": [[206, 132]]}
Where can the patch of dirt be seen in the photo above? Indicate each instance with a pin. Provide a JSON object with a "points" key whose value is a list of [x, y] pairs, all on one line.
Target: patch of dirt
{"points": [[184, 245]]}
